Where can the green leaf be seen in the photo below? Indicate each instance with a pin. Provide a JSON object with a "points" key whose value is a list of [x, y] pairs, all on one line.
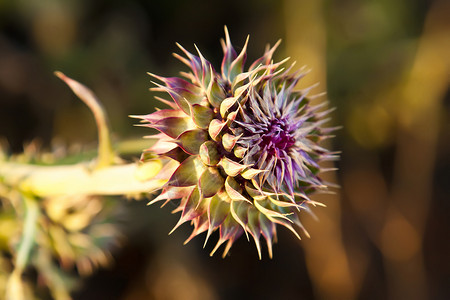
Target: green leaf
{"points": [[182, 97], [226, 105], [268, 231], [234, 191], [188, 173], [232, 168], [192, 208], [176, 154], [215, 93], [209, 154], [269, 212], [215, 127], [229, 54], [191, 140], [218, 210], [239, 211], [174, 126], [201, 115], [251, 173], [228, 141], [237, 66], [211, 182], [239, 151], [254, 228]]}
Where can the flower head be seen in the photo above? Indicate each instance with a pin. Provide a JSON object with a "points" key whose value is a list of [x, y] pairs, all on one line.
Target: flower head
{"points": [[246, 142]]}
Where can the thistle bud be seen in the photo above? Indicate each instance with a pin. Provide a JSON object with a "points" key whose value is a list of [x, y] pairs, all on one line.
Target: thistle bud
{"points": [[246, 142]]}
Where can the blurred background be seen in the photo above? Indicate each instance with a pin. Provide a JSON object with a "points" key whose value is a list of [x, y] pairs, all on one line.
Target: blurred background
{"points": [[385, 66]]}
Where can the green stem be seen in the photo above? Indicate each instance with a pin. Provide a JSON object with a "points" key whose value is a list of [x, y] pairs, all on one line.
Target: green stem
{"points": [[79, 179]]}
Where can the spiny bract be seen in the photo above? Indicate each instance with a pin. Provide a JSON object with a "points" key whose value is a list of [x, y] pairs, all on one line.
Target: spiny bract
{"points": [[246, 143]]}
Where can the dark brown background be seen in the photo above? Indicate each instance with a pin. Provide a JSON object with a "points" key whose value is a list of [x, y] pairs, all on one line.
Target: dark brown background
{"points": [[385, 65]]}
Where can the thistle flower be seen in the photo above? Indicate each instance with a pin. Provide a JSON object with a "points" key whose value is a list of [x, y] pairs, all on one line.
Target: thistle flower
{"points": [[247, 144]]}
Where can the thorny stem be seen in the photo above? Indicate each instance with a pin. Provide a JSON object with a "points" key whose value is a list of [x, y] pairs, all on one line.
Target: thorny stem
{"points": [[79, 179], [105, 151], [36, 182]]}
